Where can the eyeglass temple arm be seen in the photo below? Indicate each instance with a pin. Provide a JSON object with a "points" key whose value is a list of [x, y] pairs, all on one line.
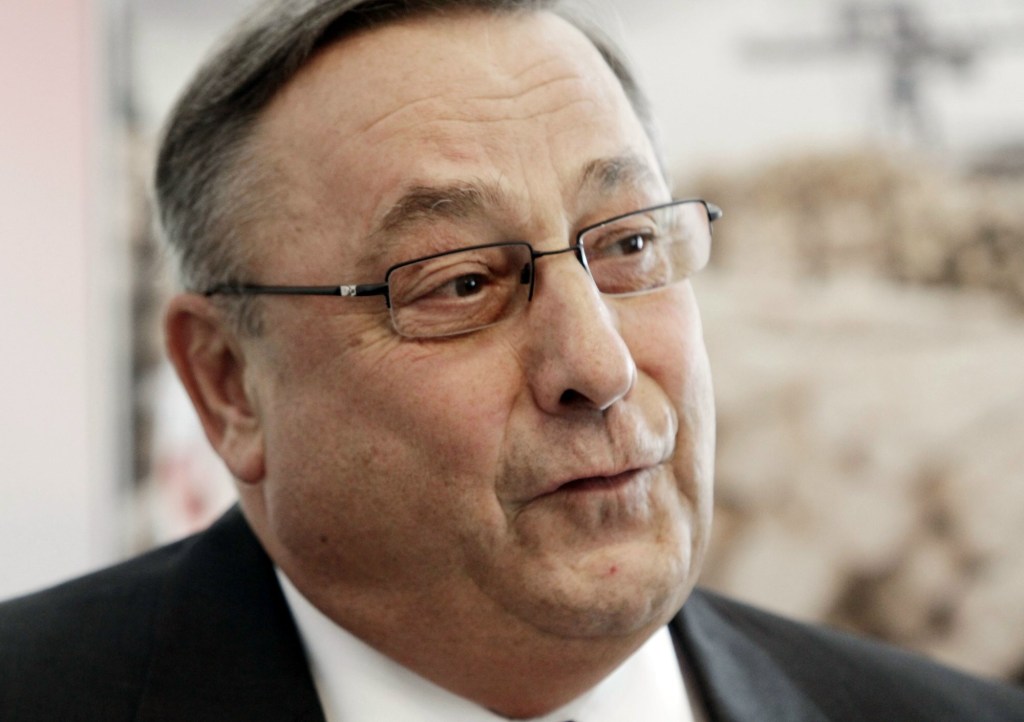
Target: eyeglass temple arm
{"points": [[252, 289]]}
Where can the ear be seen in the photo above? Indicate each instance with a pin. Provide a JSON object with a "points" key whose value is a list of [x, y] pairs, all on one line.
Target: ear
{"points": [[208, 357]]}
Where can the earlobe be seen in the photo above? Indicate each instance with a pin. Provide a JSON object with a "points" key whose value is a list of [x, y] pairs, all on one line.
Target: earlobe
{"points": [[209, 360]]}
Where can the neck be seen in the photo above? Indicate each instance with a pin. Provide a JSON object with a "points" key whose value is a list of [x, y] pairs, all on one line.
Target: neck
{"points": [[510, 667], [464, 641]]}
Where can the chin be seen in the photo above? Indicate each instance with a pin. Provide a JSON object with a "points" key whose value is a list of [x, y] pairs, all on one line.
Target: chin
{"points": [[610, 596]]}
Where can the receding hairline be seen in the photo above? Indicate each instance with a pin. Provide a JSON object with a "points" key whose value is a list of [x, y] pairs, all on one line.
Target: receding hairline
{"points": [[628, 167]]}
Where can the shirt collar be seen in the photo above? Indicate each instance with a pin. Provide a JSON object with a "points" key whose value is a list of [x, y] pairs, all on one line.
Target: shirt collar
{"points": [[356, 683]]}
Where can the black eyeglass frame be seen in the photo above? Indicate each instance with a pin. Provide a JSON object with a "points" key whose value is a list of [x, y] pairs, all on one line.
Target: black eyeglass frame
{"points": [[383, 289]]}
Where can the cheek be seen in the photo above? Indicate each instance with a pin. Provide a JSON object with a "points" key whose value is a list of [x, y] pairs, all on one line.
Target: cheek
{"points": [[450, 402], [430, 414], [666, 338], [383, 441], [665, 335]]}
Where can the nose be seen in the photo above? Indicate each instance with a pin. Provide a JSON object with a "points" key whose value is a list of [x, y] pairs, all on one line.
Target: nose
{"points": [[577, 357]]}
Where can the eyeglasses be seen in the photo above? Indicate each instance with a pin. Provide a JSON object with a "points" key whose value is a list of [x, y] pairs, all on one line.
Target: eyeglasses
{"points": [[468, 289]]}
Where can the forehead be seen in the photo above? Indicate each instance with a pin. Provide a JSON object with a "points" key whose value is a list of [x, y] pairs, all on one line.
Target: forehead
{"points": [[517, 106], [394, 68]]}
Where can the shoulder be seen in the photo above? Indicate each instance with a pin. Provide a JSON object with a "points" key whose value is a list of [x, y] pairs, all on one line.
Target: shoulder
{"points": [[85, 610], [78, 639], [838, 672], [88, 639]]}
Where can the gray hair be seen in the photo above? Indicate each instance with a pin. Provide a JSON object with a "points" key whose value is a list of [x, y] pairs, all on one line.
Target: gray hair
{"points": [[209, 184]]}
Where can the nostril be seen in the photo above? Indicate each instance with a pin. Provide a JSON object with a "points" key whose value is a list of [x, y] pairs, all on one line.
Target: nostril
{"points": [[572, 397]]}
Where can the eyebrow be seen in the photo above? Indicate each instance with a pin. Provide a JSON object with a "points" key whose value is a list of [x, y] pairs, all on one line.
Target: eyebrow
{"points": [[472, 199], [424, 204], [611, 174], [462, 201], [449, 202]]}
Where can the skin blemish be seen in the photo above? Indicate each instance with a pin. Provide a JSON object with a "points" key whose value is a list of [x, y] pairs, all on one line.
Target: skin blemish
{"points": [[613, 570]]}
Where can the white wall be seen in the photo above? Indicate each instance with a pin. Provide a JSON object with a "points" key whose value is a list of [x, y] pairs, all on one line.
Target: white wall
{"points": [[56, 355]]}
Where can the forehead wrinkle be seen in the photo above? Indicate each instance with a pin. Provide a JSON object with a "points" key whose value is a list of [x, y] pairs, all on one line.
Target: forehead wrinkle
{"points": [[487, 108], [531, 67], [520, 94], [383, 118]]}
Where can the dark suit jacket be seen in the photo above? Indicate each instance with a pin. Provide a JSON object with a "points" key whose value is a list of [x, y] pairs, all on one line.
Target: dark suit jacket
{"points": [[199, 630]]}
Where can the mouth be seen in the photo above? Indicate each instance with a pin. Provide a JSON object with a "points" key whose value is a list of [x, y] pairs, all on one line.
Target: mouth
{"points": [[625, 488], [598, 483]]}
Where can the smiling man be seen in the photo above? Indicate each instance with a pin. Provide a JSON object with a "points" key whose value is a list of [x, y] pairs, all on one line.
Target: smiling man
{"points": [[438, 323]]}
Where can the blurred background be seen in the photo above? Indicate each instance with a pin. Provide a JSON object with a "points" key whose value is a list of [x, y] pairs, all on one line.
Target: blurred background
{"points": [[864, 310]]}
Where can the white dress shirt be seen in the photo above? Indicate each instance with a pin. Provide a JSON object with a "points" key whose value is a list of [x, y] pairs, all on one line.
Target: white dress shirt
{"points": [[356, 683]]}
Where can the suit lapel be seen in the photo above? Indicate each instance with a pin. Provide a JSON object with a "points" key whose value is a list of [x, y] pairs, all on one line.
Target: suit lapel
{"points": [[738, 677], [225, 644]]}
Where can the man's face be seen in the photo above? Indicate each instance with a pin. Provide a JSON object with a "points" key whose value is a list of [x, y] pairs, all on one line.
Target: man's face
{"points": [[552, 471]]}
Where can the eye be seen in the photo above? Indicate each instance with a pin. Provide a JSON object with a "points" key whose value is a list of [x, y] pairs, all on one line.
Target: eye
{"points": [[461, 286], [459, 291], [629, 244], [632, 244], [447, 285], [468, 285]]}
